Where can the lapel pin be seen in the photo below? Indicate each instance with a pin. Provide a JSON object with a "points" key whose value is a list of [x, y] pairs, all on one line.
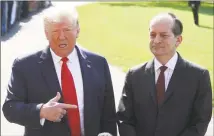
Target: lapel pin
{"points": [[88, 66]]}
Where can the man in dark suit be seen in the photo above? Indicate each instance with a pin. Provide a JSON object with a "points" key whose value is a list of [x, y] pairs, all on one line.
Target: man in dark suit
{"points": [[167, 96], [195, 8], [63, 90]]}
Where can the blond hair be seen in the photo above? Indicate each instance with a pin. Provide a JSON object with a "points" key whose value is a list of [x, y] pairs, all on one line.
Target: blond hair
{"points": [[58, 14]]}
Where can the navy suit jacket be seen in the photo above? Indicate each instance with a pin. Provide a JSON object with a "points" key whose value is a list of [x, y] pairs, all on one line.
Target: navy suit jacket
{"points": [[34, 81]]}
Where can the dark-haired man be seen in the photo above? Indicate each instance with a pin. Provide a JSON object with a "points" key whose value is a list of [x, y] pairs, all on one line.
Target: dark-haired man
{"points": [[167, 96]]}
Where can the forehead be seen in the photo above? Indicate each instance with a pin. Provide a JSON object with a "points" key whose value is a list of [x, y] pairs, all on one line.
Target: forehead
{"points": [[61, 24], [161, 24]]}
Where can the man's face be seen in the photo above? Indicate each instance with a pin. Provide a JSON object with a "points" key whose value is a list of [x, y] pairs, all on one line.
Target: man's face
{"points": [[162, 40], [62, 37]]}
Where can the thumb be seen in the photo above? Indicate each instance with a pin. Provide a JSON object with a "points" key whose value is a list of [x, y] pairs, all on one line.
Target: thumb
{"points": [[56, 98]]}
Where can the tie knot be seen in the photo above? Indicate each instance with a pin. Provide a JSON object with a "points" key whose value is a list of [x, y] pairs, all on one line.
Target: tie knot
{"points": [[163, 68], [64, 59]]}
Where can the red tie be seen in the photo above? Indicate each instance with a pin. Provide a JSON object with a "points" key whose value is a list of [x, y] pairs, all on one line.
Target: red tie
{"points": [[70, 97], [160, 85]]}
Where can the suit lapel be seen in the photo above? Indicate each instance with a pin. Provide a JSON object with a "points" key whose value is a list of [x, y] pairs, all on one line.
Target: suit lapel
{"points": [[86, 69], [151, 80], [175, 79], [49, 72]]}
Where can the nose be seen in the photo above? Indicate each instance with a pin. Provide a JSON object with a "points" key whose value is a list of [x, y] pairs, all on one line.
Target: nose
{"points": [[61, 35], [157, 39]]}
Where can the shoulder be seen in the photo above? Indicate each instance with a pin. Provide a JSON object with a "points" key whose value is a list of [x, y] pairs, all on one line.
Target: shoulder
{"points": [[193, 70], [27, 58], [138, 68], [193, 66], [91, 55]]}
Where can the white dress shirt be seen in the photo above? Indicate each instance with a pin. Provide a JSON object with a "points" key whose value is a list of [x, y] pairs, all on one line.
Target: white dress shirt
{"points": [[74, 67], [168, 72]]}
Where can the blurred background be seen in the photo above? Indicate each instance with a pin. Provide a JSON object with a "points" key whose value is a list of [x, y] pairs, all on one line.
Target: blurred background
{"points": [[116, 30], [14, 11]]}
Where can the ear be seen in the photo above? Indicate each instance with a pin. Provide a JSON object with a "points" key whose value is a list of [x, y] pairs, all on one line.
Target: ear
{"points": [[78, 30], [46, 32], [178, 40]]}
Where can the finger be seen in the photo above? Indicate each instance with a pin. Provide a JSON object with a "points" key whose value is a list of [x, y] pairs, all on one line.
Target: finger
{"points": [[61, 112], [58, 120], [66, 106], [56, 98], [64, 112], [61, 116]]}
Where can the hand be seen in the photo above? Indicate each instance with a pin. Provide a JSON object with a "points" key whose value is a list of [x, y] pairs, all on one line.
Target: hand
{"points": [[54, 111], [104, 134]]}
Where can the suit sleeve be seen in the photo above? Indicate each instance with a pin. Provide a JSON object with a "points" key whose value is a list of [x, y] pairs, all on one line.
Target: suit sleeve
{"points": [[108, 117], [127, 121], [16, 108], [202, 110]]}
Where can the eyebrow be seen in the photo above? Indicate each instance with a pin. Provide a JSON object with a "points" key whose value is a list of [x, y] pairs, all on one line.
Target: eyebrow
{"points": [[57, 29], [160, 32], [163, 33]]}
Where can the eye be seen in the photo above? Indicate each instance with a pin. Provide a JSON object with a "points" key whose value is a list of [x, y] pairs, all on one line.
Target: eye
{"points": [[164, 36], [152, 35], [67, 29]]}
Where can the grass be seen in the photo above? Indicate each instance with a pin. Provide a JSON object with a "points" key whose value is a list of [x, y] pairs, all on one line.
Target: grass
{"points": [[119, 31]]}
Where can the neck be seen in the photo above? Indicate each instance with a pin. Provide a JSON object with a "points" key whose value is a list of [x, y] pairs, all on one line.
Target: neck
{"points": [[164, 59]]}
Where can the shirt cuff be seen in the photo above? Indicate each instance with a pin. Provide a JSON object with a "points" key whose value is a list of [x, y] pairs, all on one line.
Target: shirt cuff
{"points": [[42, 121]]}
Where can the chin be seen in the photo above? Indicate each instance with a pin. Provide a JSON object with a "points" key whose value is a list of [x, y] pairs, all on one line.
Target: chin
{"points": [[158, 53]]}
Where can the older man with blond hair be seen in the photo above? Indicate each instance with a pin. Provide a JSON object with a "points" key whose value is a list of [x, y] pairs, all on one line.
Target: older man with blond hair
{"points": [[62, 90]]}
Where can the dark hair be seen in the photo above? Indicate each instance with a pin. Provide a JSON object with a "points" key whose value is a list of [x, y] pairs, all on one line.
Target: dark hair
{"points": [[177, 28]]}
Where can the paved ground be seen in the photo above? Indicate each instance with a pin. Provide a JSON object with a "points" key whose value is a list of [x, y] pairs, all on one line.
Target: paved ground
{"points": [[27, 37]]}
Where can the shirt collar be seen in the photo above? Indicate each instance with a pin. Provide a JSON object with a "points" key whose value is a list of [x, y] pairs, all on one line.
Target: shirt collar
{"points": [[57, 59], [170, 64]]}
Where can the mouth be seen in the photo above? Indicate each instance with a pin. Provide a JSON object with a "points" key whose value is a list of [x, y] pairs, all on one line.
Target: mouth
{"points": [[62, 45], [158, 47]]}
